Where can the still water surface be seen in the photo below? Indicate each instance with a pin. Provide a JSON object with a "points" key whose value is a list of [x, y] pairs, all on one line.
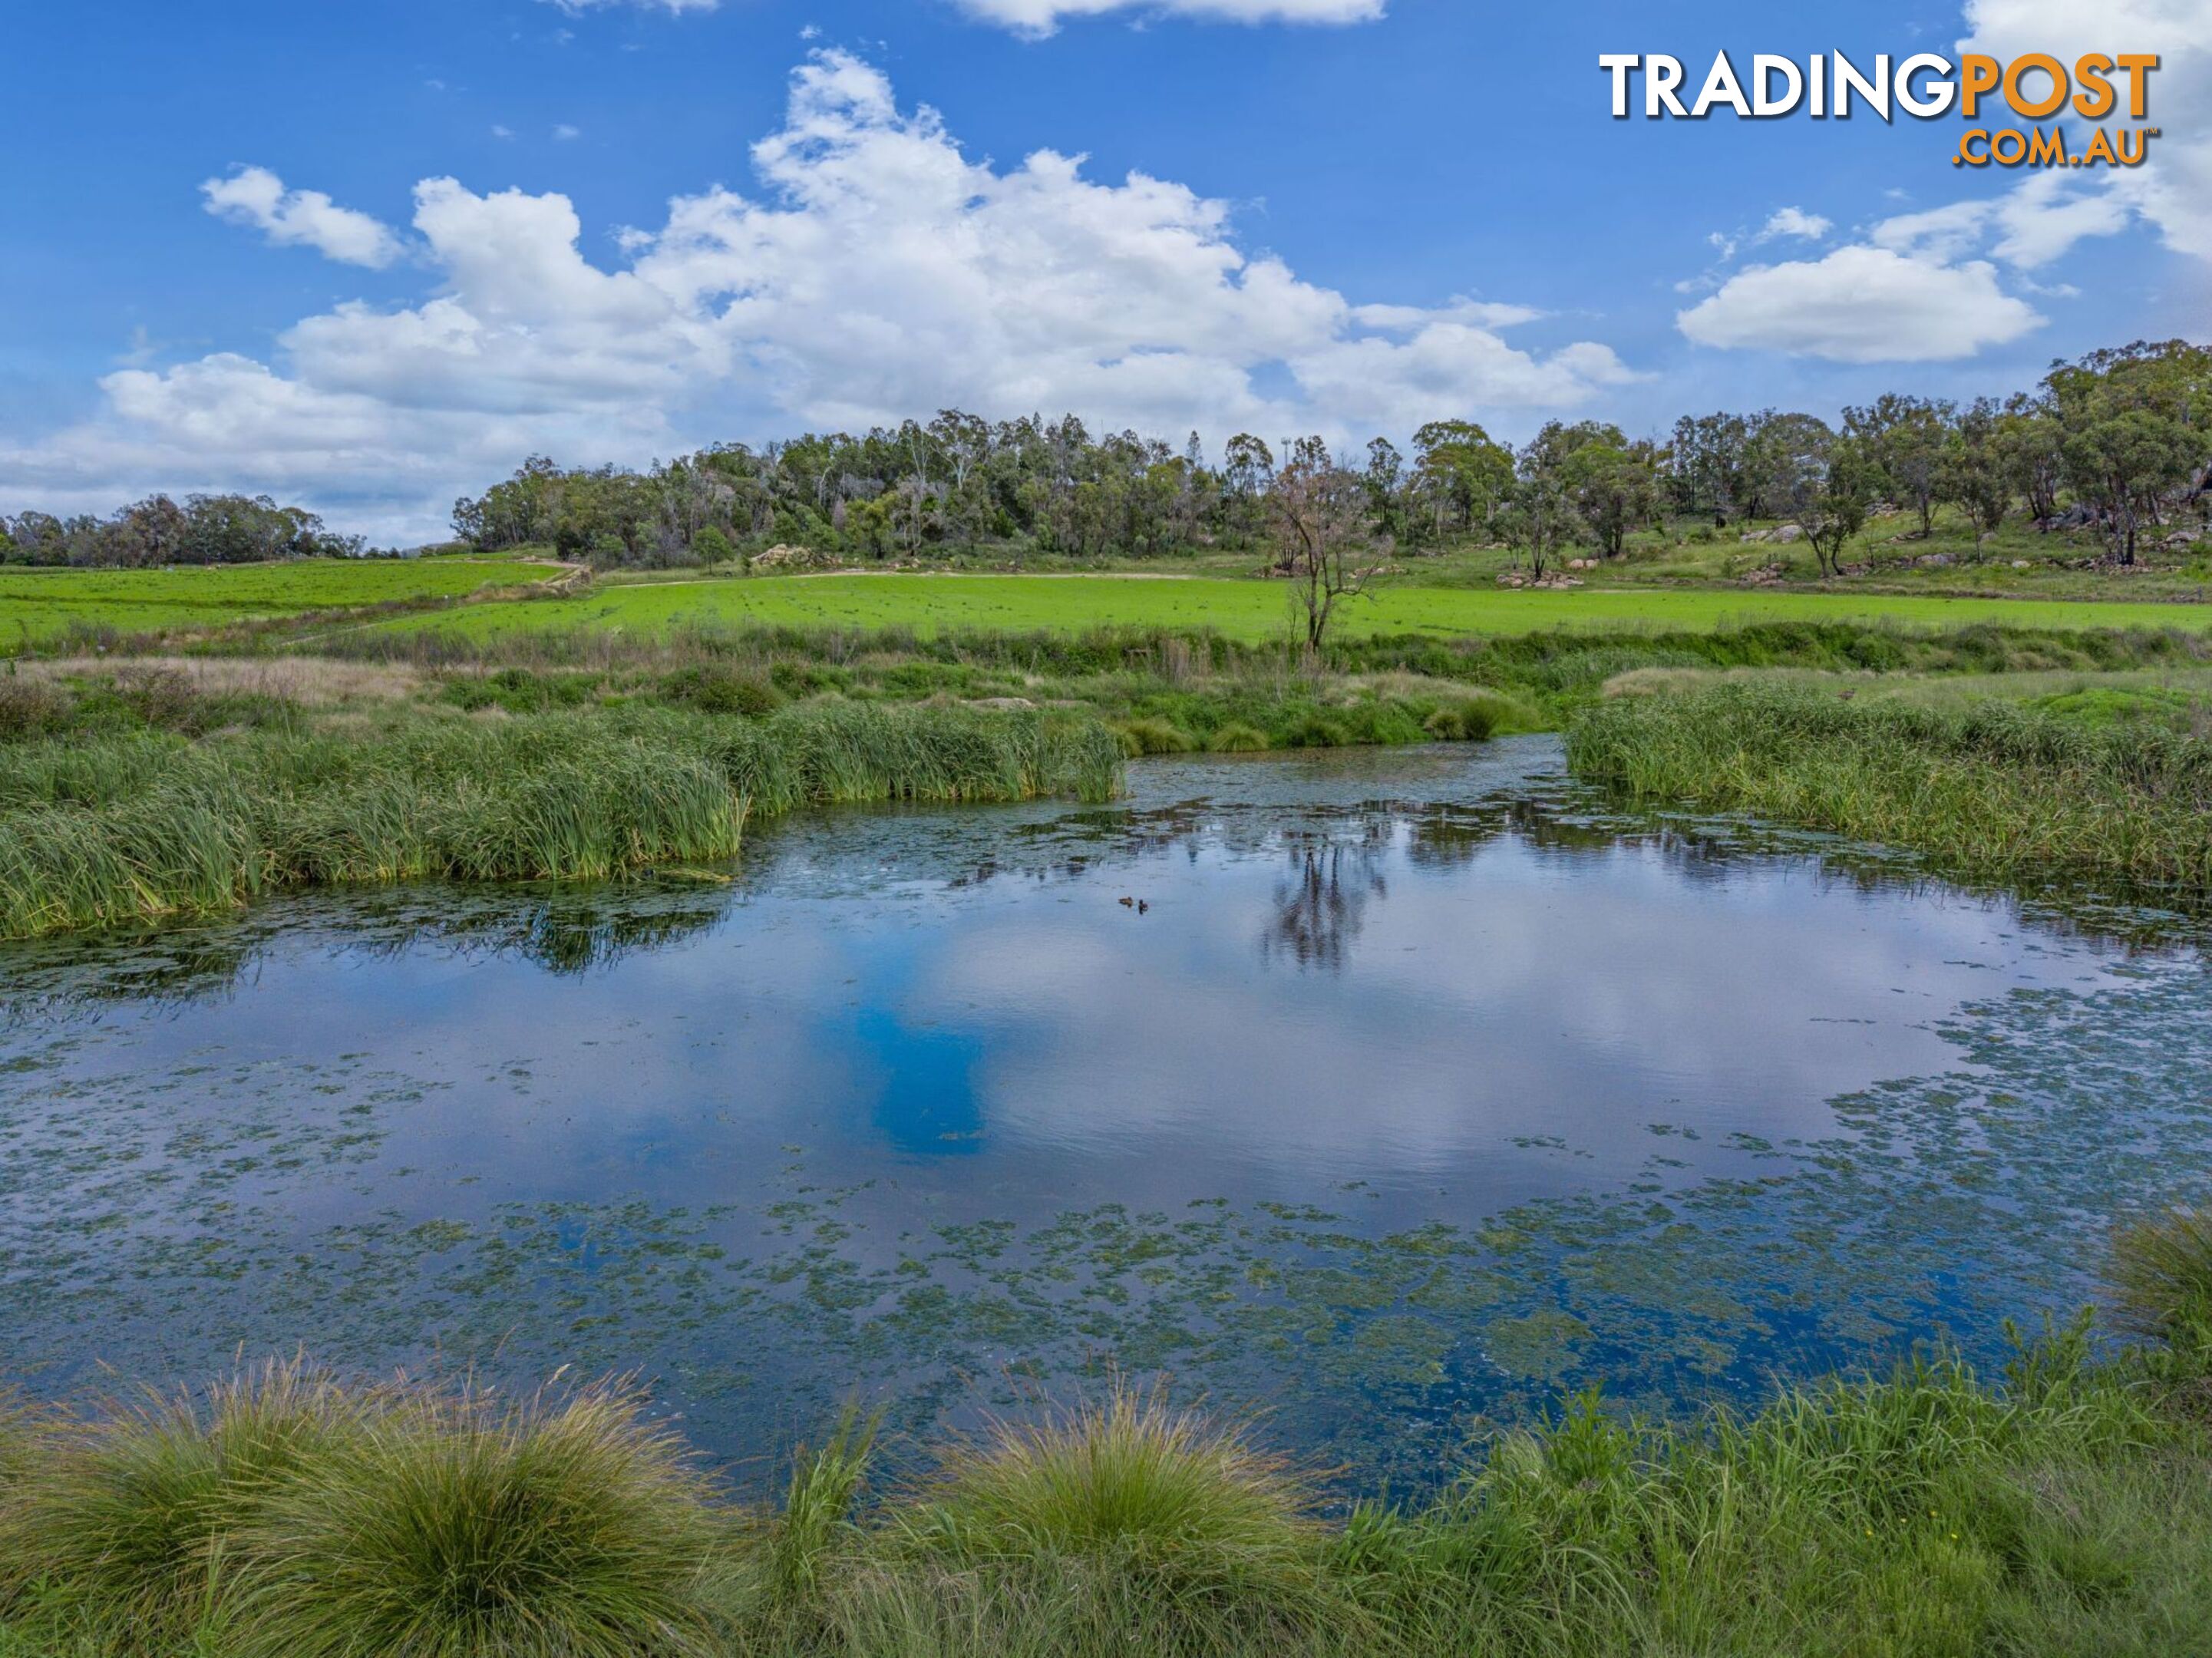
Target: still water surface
{"points": [[1394, 1092]]}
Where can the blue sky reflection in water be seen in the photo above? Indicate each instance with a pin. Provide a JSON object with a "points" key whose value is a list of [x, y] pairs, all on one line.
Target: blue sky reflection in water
{"points": [[1421, 1087]]}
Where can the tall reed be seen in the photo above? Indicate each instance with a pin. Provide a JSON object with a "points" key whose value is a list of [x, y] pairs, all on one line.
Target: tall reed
{"points": [[1990, 788], [142, 826]]}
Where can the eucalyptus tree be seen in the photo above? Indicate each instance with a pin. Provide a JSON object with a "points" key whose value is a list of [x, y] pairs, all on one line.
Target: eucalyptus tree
{"points": [[1705, 464], [1462, 473], [2137, 425], [1815, 479], [1972, 473], [1901, 439]]}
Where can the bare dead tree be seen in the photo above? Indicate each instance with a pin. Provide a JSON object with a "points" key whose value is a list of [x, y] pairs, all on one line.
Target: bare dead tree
{"points": [[1317, 512]]}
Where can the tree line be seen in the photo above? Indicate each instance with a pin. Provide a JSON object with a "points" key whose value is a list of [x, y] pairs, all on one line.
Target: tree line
{"points": [[2119, 440], [157, 530]]}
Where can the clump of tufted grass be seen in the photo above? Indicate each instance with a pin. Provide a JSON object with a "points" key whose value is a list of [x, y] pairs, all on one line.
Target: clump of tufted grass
{"points": [[1461, 722], [1135, 1502], [818, 1526], [1238, 737], [1317, 730], [133, 1514], [565, 1527], [1154, 736], [22, 1438], [2162, 1276]]}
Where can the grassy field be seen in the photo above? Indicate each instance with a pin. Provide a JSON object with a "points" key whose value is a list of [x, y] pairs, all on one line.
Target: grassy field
{"points": [[1244, 610], [36, 605]]}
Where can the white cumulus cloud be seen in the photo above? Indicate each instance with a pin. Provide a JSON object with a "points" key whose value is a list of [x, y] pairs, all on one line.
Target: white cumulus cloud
{"points": [[1922, 287], [1861, 305], [2173, 188], [301, 218], [880, 273], [1796, 221]]}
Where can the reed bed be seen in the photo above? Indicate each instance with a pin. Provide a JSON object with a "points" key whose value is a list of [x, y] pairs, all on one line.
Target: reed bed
{"points": [[1987, 788], [138, 826], [2062, 1508]]}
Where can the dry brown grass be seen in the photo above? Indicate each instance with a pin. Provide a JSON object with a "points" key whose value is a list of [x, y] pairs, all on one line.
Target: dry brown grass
{"points": [[307, 681]]}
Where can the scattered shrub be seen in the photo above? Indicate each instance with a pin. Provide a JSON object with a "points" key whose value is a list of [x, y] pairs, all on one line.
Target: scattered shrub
{"points": [[718, 690], [160, 697], [30, 708], [1461, 722], [1315, 731], [520, 691]]}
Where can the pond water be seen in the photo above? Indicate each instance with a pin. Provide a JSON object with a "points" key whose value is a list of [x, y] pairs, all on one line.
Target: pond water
{"points": [[1391, 1092]]}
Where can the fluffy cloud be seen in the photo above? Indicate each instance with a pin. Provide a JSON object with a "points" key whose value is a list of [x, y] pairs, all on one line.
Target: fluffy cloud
{"points": [[2035, 222], [1915, 290], [1861, 305], [299, 218], [2173, 188], [1796, 221], [882, 274]]}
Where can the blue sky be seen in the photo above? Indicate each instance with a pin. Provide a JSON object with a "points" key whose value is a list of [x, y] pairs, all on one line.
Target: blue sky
{"points": [[369, 256]]}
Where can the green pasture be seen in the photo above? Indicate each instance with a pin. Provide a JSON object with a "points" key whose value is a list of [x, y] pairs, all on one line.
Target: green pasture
{"points": [[1243, 609], [37, 604]]}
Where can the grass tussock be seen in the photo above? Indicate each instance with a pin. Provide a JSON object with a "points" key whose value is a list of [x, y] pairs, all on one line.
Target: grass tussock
{"points": [[146, 824], [129, 1518], [1236, 738], [1143, 737], [455, 1525], [1192, 1515], [2162, 1275], [1986, 787]]}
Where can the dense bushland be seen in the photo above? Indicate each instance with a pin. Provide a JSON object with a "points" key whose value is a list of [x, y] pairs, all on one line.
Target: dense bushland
{"points": [[2118, 438], [229, 529], [2062, 1508]]}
